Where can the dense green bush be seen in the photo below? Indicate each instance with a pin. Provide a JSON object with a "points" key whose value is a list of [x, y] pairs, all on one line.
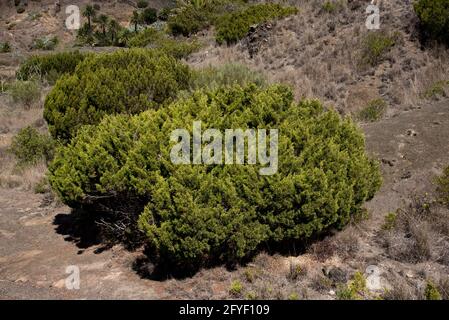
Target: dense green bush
{"points": [[149, 15], [192, 214], [234, 26], [29, 147], [50, 66], [24, 92], [226, 75], [434, 17], [196, 15], [126, 81], [156, 39]]}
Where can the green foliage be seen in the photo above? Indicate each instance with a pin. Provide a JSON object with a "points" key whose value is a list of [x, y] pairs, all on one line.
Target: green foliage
{"points": [[164, 14], [373, 111], [29, 147], [436, 90], [355, 290], [293, 296], [236, 288], [434, 17], [193, 16], [234, 26], [390, 221], [142, 4], [126, 81], [42, 186], [50, 66], [192, 214], [443, 186], [431, 292], [227, 74], [149, 15], [5, 47], [45, 43], [375, 46], [156, 39], [24, 92]]}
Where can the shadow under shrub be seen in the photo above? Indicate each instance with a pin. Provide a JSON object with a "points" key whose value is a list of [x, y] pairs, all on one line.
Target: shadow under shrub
{"points": [[126, 81], [195, 215]]}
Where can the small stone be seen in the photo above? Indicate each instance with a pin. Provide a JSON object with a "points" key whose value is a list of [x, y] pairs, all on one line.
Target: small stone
{"points": [[412, 133]]}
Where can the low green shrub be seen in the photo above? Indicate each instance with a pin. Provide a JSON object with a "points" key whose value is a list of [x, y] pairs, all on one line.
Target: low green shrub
{"points": [[355, 290], [390, 221], [46, 43], [5, 47], [195, 214], [156, 39], [236, 288], [434, 17], [431, 292], [50, 66], [375, 46], [234, 26], [126, 81], [29, 147], [373, 111], [227, 74], [25, 92], [437, 89]]}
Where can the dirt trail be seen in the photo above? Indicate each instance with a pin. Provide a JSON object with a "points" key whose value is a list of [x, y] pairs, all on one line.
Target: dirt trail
{"points": [[36, 243]]}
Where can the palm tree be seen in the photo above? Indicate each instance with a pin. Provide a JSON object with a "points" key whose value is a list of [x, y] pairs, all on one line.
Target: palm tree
{"points": [[103, 21], [89, 12], [114, 28], [135, 19]]}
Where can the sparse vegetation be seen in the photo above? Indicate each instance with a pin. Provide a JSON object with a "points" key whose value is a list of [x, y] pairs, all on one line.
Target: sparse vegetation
{"points": [[45, 43], [419, 233], [436, 90], [373, 111], [443, 186], [375, 46], [5, 47], [355, 290], [24, 92], [390, 221]]}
